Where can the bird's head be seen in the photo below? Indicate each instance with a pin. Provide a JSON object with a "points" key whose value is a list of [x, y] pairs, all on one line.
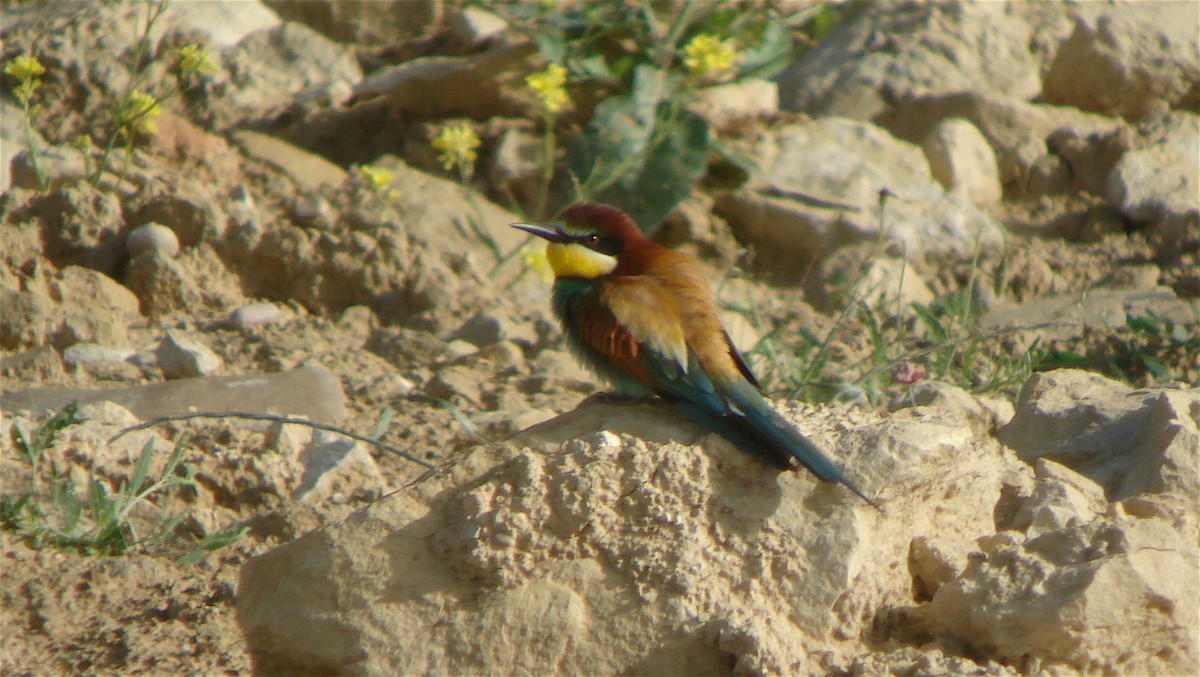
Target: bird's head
{"points": [[586, 240]]}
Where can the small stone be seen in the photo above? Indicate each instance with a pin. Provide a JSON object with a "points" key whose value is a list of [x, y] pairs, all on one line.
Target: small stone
{"points": [[182, 357], [460, 348], [152, 237], [455, 380], [313, 211], [94, 353], [725, 105], [472, 28], [255, 315]]}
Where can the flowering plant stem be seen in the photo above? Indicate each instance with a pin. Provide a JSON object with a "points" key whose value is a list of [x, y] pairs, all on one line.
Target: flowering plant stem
{"points": [[33, 153]]}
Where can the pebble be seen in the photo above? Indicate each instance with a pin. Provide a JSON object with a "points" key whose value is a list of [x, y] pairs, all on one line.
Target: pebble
{"points": [[255, 315], [94, 353], [182, 357], [152, 237]]}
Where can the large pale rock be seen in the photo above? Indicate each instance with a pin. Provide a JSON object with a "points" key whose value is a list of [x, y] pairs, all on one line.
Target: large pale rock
{"points": [[1128, 441], [279, 66], [1105, 595], [890, 51], [310, 391], [962, 161], [819, 187], [645, 547], [1129, 59]]}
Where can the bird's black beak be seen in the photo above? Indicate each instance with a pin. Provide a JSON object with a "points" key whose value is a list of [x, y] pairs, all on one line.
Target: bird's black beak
{"points": [[551, 234]]}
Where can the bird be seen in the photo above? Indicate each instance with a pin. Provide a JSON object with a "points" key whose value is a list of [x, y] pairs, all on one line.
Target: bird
{"points": [[643, 317]]}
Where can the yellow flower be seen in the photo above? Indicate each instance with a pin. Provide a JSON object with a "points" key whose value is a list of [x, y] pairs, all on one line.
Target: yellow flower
{"points": [[456, 146], [708, 55], [24, 67], [140, 112], [377, 178], [548, 85], [195, 59]]}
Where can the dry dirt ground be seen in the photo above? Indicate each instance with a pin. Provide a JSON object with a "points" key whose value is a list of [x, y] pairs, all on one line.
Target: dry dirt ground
{"points": [[396, 300]]}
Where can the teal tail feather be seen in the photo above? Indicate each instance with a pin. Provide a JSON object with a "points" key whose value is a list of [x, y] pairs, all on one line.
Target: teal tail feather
{"points": [[762, 431]]}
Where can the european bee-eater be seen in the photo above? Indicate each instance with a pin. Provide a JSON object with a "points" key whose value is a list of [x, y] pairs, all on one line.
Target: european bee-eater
{"points": [[643, 317]]}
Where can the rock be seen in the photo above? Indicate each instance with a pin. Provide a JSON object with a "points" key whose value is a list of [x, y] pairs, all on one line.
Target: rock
{"points": [[1106, 595], [459, 348], [1128, 441], [310, 391], [94, 353], [896, 50], [276, 65], [1060, 498], [60, 167], [456, 380], [81, 226], [1017, 131], [309, 171], [1128, 59], [479, 86], [820, 188], [1068, 316], [93, 308], [1157, 183], [152, 237], [225, 24], [962, 161], [471, 28], [313, 211], [645, 545], [736, 102], [255, 315], [25, 321], [78, 305], [182, 357], [951, 400], [319, 465], [31, 366], [379, 22]]}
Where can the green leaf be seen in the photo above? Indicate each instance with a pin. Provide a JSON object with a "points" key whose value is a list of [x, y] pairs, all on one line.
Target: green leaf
{"points": [[1156, 367], [143, 467], [771, 55]]}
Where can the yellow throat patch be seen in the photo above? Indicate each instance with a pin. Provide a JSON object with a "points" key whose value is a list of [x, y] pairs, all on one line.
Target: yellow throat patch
{"points": [[576, 260]]}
